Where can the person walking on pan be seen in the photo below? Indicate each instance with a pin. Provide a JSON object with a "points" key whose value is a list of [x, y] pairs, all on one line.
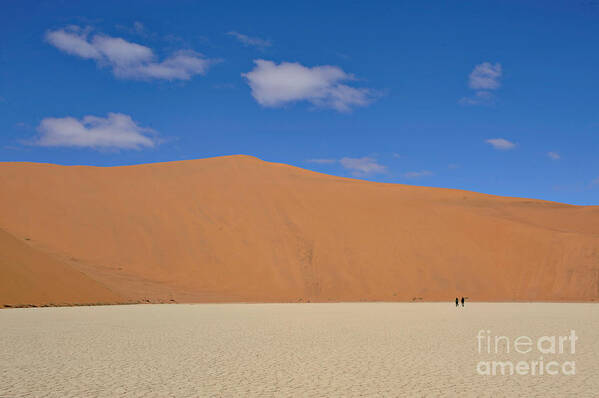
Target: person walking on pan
{"points": [[462, 301], [456, 302]]}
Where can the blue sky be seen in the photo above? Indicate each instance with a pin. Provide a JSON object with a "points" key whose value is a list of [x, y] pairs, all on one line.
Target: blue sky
{"points": [[498, 97]]}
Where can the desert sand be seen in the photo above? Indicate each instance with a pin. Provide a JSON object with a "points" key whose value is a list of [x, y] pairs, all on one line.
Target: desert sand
{"points": [[42, 279], [238, 229], [232, 350]]}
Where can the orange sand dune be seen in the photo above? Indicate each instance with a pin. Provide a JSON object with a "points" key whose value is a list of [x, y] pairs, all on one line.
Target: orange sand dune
{"points": [[237, 228], [30, 277]]}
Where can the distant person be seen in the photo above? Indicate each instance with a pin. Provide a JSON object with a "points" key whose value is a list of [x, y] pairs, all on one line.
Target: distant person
{"points": [[457, 302], [462, 301]]}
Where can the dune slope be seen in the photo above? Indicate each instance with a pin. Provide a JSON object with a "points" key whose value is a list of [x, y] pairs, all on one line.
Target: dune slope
{"points": [[30, 277], [237, 228]]}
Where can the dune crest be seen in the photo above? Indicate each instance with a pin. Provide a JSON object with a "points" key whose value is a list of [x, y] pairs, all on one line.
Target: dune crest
{"points": [[236, 228]]}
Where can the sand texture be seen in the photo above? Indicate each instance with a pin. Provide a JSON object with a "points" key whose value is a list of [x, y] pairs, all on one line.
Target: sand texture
{"points": [[238, 229], [286, 350], [31, 277]]}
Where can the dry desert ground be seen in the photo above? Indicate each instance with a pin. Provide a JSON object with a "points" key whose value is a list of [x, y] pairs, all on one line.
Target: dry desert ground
{"points": [[289, 350]]}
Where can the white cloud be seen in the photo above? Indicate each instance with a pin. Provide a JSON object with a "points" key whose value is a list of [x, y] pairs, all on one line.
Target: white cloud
{"points": [[396, 155], [250, 41], [276, 85], [417, 174], [127, 59], [73, 40], [554, 155], [116, 131], [121, 53], [182, 65], [322, 161], [485, 76], [500, 143], [362, 166]]}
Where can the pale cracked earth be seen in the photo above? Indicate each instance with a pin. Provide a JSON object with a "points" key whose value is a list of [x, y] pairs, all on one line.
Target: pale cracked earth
{"points": [[320, 350]]}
